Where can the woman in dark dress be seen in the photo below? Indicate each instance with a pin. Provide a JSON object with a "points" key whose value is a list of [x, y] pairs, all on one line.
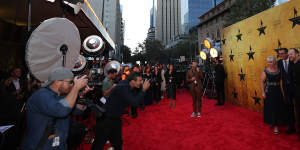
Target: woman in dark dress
{"points": [[170, 77], [148, 95], [156, 84], [274, 106]]}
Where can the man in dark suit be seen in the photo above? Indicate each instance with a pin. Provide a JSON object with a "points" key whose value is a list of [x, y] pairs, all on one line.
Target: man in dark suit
{"points": [[286, 71], [220, 77], [294, 57]]}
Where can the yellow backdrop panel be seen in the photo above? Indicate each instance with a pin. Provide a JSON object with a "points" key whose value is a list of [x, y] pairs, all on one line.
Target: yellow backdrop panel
{"points": [[259, 35]]}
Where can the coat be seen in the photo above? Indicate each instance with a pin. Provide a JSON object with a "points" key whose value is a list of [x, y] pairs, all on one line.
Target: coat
{"points": [[195, 87]]}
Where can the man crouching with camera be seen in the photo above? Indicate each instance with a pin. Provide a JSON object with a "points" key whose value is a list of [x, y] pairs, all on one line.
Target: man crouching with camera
{"points": [[109, 127], [48, 110]]}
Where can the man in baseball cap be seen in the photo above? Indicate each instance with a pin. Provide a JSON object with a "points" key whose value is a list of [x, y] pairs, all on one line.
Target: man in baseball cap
{"points": [[48, 109]]}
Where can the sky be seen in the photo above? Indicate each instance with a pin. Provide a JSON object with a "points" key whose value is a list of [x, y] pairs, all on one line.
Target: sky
{"points": [[136, 14]]}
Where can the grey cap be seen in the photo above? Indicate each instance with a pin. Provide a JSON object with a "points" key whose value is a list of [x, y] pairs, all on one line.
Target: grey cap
{"points": [[60, 73]]}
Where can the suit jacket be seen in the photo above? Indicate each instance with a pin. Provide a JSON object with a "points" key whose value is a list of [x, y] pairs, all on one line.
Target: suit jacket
{"points": [[287, 77], [194, 87]]}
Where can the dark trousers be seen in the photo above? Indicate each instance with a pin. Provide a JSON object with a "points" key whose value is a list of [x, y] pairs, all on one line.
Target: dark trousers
{"points": [[220, 93], [108, 129], [156, 93], [297, 104], [197, 102], [134, 112], [291, 111]]}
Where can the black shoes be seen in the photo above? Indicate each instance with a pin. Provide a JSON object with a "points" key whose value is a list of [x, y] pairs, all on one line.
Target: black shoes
{"points": [[219, 104], [290, 131]]}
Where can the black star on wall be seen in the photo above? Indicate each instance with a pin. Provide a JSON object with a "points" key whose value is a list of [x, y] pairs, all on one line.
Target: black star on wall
{"points": [[242, 75], [239, 36], [235, 94], [296, 19], [223, 40], [256, 99], [251, 54], [231, 56], [262, 28], [277, 49]]}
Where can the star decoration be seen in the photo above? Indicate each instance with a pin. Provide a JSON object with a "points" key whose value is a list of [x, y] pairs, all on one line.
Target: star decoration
{"points": [[279, 47], [231, 56], [296, 19], [223, 40], [242, 75], [262, 28], [251, 54], [235, 94], [239, 36], [256, 99]]}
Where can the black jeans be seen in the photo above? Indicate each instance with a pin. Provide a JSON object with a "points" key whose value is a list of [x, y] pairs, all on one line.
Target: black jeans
{"points": [[156, 93], [297, 106], [220, 93], [108, 129], [290, 104]]}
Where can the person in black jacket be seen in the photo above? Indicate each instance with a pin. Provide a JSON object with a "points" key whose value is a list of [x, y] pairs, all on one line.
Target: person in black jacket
{"points": [[287, 86], [170, 77], [109, 127], [294, 57], [220, 77], [156, 84]]}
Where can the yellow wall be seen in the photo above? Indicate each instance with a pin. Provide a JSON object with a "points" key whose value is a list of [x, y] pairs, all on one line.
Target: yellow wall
{"points": [[278, 28]]}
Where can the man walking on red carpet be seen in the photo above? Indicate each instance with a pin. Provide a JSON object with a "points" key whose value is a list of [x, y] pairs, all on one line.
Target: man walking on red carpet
{"points": [[193, 77]]}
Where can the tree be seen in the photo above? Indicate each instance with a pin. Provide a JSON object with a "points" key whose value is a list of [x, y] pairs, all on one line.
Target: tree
{"points": [[126, 53], [243, 9]]}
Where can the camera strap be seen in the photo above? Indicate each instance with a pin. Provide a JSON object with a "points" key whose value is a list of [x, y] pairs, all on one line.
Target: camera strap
{"points": [[48, 134]]}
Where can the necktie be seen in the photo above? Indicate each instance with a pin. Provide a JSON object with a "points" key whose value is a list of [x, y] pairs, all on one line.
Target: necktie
{"points": [[285, 66]]}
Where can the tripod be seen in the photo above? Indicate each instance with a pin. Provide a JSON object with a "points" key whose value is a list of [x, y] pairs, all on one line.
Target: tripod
{"points": [[209, 82]]}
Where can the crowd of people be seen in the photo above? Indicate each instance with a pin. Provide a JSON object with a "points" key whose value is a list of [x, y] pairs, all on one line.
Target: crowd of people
{"points": [[280, 85], [48, 107]]}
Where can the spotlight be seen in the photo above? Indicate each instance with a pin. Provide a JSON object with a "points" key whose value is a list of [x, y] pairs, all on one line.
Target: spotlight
{"points": [[204, 54], [208, 43], [93, 43], [213, 52]]}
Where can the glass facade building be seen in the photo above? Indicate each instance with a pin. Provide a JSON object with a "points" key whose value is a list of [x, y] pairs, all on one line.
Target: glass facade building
{"points": [[193, 9]]}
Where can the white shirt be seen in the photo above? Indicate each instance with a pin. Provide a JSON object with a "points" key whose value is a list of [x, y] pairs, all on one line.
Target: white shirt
{"points": [[16, 84], [286, 62]]}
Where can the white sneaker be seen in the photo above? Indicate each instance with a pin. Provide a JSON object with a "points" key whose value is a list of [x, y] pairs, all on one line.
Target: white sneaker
{"points": [[199, 115], [193, 114]]}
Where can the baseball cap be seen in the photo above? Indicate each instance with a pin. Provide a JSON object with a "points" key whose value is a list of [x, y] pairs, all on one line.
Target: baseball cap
{"points": [[60, 73]]}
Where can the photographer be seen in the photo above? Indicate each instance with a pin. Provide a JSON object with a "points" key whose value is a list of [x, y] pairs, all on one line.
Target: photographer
{"points": [[108, 83], [48, 110], [109, 127]]}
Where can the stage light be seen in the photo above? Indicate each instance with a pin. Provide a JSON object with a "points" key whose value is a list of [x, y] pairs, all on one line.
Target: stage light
{"points": [[52, 1], [208, 43], [213, 52], [93, 43], [203, 55]]}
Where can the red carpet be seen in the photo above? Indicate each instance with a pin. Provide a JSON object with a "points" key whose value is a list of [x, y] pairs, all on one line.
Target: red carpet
{"points": [[220, 128]]}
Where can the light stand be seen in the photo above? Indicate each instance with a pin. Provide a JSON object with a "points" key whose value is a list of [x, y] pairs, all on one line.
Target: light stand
{"points": [[209, 77]]}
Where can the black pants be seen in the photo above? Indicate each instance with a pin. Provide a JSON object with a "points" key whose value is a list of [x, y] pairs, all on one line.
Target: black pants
{"points": [[108, 129], [297, 104], [156, 93], [134, 112], [220, 93], [291, 111]]}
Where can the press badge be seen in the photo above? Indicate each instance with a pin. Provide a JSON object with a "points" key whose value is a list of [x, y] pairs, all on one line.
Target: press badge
{"points": [[55, 141]]}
